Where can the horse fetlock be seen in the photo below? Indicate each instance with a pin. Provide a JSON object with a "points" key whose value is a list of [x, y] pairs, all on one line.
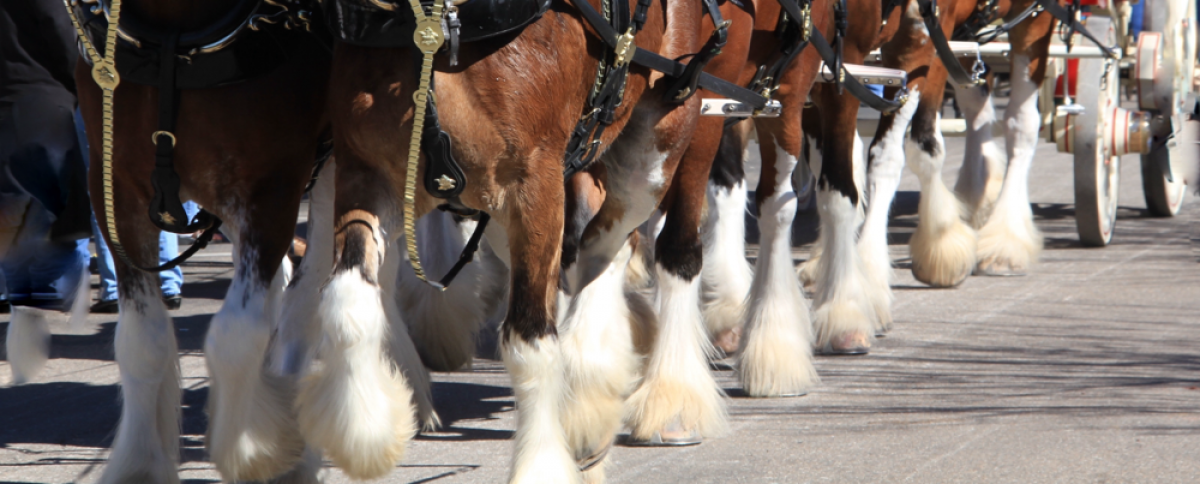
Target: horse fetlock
{"points": [[842, 325], [673, 407], [252, 433], [1008, 247], [539, 386], [354, 404], [363, 418], [138, 461], [942, 256]]}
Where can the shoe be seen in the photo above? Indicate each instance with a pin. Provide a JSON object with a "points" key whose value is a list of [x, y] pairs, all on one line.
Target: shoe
{"points": [[107, 306], [173, 302]]}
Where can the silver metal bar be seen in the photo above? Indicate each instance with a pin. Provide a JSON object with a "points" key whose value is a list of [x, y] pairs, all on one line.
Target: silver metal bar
{"points": [[868, 75], [729, 108]]}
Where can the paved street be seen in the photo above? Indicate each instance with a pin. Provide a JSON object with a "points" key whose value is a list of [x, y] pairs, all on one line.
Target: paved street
{"points": [[1086, 370]]}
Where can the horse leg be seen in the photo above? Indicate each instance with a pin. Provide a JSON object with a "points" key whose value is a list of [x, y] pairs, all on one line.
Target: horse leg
{"points": [[725, 278], [943, 247], [844, 319], [146, 447], [298, 326], [776, 351], [982, 173], [886, 160], [252, 433], [809, 169], [355, 405], [530, 344], [444, 324], [1009, 243], [401, 348], [678, 400]]}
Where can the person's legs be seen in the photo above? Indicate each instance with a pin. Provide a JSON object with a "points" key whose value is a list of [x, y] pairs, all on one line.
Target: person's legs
{"points": [[168, 249], [106, 267], [172, 279]]}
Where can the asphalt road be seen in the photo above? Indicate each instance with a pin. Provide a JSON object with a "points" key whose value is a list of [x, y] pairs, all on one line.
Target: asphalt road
{"points": [[1086, 370]]}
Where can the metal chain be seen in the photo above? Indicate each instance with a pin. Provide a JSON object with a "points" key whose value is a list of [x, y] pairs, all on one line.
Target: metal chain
{"points": [[978, 69], [428, 37]]}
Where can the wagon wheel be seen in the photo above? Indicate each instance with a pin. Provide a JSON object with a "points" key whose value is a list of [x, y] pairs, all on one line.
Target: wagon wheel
{"points": [[1097, 170], [1164, 88]]}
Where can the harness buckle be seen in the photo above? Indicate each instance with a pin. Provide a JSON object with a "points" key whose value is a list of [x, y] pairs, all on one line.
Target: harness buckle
{"points": [[625, 49], [806, 12]]}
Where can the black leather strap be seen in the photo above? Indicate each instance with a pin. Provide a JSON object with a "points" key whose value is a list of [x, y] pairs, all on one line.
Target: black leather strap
{"points": [[444, 178], [685, 85], [827, 54], [667, 66], [1053, 8], [941, 45], [990, 35], [199, 244], [468, 252], [166, 209], [850, 82]]}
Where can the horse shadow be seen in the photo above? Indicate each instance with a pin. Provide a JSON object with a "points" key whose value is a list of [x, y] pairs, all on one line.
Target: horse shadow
{"points": [[85, 415], [459, 402], [98, 345]]}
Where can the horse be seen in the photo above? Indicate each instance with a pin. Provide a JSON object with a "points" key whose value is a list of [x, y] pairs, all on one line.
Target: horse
{"points": [[846, 314], [244, 147], [510, 106]]}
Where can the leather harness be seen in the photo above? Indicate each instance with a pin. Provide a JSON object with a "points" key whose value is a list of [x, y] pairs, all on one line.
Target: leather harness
{"points": [[249, 41]]}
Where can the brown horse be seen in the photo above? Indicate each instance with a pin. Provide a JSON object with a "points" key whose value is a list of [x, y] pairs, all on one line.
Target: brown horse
{"points": [[844, 319], [945, 248], [510, 105], [245, 152]]}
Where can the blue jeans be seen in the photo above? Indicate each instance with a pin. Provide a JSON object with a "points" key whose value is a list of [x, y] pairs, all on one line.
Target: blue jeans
{"points": [[168, 246], [37, 269], [38, 157]]}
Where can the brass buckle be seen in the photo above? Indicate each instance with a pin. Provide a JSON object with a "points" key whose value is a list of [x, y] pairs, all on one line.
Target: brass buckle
{"points": [[154, 137], [806, 12], [624, 49]]}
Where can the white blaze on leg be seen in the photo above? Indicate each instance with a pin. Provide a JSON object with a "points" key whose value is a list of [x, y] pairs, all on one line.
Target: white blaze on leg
{"points": [[28, 343], [942, 247], [443, 324], [400, 344], [599, 360], [146, 447], [536, 368], [984, 164], [252, 430], [1010, 242], [298, 325], [887, 162], [776, 352], [354, 405], [726, 274], [678, 396], [843, 319]]}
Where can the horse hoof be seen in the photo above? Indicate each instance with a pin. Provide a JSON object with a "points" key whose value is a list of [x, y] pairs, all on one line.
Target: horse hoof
{"points": [[587, 463], [851, 344], [729, 340], [673, 436], [998, 268], [852, 351]]}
